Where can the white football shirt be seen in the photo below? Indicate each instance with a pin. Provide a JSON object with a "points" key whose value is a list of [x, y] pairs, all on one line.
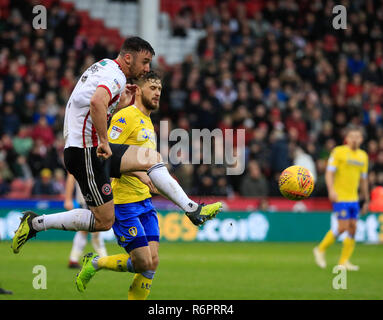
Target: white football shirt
{"points": [[78, 127]]}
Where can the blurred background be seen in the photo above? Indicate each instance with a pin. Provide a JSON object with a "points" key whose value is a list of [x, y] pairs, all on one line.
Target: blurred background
{"points": [[277, 69]]}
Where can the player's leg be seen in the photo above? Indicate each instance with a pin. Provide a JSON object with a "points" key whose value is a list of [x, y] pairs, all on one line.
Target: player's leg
{"points": [[130, 235], [93, 178], [79, 243], [137, 158], [349, 246], [98, 243], [330, 237], [142, 282]]}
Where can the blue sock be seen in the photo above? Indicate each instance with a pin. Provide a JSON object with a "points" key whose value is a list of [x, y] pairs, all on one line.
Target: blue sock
{"points": [[148, 274], [129, 265]]}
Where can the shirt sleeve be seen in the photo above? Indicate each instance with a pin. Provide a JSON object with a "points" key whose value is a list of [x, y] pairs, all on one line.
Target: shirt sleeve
{"points": [[112, 85], [121, 127], [364, 172], [333, 161]]}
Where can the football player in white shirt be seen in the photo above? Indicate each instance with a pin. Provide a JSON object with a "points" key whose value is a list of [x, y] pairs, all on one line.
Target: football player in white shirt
{"points": [[92, 160], [81, 237]]}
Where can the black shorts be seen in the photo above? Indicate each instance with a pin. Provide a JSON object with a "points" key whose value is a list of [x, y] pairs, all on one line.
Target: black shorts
{"points": [[92, 173]]}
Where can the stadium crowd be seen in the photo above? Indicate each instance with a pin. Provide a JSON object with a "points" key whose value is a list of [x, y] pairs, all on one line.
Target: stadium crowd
{"points": [[283, 74]]}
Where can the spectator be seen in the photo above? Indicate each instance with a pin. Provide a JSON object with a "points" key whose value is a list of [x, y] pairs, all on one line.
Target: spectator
{"points": [[44, 185], [279, 72], [59, 181], [22, 169], [10, 121], [254, 183], [302, 158], [22, 142], [4, 186], [42, 131]]}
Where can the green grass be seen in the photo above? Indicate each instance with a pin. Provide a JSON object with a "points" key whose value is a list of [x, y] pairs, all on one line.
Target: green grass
{"points": [[192, 271]]}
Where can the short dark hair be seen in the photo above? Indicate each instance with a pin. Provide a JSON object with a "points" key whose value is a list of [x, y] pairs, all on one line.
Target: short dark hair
{"points": [[151, 75], [136, 44]]}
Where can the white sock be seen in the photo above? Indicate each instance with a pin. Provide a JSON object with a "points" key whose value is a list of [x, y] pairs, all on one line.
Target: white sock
{"points": [[165, 183], [79, 243], [73, 220], [98, 244]]}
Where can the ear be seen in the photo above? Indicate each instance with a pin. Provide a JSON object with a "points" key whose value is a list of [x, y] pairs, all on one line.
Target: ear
{"points": [[138, 91], [128, 57]]}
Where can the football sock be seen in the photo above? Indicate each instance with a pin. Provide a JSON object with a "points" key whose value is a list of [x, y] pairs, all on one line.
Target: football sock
{"points": [[167, 185], [98, 244], [327, 241], [73, 220], [79, 243], [141, 285], [118, 262], [347, 249]]}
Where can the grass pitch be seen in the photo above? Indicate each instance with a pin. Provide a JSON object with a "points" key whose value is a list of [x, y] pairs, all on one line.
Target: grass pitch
{"points": [[199, 271]]}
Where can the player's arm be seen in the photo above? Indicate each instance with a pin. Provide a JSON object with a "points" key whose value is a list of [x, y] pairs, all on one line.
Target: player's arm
{"points": [[69, 188], [98, 112], [364, 194], [364, 190], [127, 97], [144, 178], [330, 177]]}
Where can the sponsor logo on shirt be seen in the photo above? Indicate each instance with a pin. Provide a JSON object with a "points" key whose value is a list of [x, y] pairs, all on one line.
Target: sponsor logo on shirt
{"points": [[117, 84], [115, 132], [121, 120]]}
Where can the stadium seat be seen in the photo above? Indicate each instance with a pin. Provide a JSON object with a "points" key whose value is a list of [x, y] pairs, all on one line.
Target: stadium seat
{"points": [[84, 4]]}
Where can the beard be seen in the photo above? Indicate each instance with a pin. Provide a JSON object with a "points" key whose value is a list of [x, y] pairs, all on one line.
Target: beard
{"points": [[148, 104]]}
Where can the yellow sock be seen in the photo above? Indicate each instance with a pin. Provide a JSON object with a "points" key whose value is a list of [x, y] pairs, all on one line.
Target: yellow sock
{"points": [[140, 288], [117, 262], [327, 241], [347, 250]]}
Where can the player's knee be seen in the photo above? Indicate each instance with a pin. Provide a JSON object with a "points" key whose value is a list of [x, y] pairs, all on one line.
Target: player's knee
{"points": [[341, 229], [105, 224], [351, 231], [154, 158], [108, 224]]}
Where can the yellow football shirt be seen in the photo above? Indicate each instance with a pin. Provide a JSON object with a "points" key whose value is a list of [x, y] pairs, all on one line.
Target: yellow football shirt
{"points": [[131, 126], [349, 166]]}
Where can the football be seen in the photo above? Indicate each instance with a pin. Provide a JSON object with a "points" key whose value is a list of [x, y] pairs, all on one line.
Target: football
{"points": [[296, 183]]}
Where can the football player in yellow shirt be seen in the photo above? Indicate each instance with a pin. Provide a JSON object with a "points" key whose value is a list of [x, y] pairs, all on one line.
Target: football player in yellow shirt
{"points": [[136, 224], [347, 170]]}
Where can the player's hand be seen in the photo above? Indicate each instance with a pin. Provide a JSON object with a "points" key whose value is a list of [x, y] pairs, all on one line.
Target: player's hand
{"points": [[146, 180], [103, 150], [68, 205], [333, 196], [130, 92]]}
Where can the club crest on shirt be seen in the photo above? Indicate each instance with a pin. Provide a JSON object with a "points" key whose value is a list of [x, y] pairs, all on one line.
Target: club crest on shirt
{"points": [[115, 132], [132, 231], [106, 189], [343, 213]]}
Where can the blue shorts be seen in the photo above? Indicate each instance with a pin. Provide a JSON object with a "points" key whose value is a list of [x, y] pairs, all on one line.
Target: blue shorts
{"points": [[346, 210], [136, 224]]}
